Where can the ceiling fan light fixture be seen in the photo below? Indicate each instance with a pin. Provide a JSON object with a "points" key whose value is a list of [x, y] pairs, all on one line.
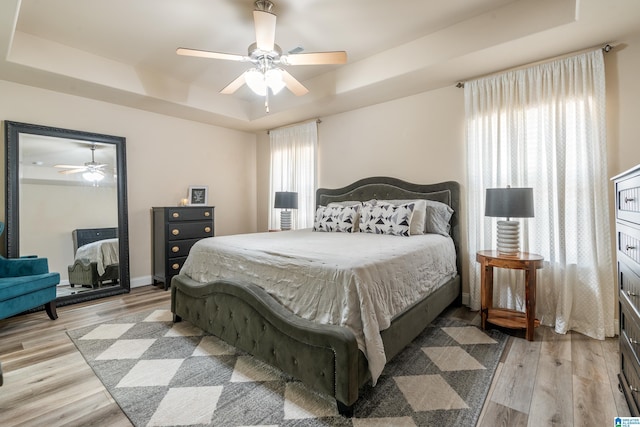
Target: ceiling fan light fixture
{"points": [[273, 78], [256, 81], [93, 176]]}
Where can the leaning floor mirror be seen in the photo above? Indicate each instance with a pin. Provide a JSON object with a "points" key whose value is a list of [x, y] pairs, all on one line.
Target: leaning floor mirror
{"points": [[66, 200]]}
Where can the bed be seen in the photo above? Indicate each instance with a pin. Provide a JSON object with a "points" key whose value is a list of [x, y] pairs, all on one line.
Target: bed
{"points": [[96, 257], [327, 357]]}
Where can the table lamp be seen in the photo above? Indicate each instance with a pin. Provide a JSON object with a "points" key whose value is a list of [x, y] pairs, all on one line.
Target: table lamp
{"points": [[509, 203], [286, 200]]}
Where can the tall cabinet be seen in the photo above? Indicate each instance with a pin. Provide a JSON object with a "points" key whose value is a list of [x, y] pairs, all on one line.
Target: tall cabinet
{"points": [[175, 231], [627, 190]]}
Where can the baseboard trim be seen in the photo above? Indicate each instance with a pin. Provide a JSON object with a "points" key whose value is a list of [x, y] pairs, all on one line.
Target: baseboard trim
{"points": [[465, 299], [137, 282]]}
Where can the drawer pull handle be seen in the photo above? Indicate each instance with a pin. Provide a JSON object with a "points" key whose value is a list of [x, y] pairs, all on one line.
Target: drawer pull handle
{"points": [[175, 231], [629, 247], [207, 213], [634, 389], [629, 199], [175, 266], [175, 249], [176, 215], [207, 229], [632, 294]]}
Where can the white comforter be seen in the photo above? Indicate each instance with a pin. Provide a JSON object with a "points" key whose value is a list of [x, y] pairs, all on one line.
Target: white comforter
{"points": [[357, 280], [103, 253]]}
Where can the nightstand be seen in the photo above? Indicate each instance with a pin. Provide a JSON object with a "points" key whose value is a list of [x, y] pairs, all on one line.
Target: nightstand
{"points": [[501, 316]]}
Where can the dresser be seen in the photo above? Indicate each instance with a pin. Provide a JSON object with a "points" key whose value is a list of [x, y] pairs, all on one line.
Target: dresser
{"points": [[175, 231], [627, 191]]}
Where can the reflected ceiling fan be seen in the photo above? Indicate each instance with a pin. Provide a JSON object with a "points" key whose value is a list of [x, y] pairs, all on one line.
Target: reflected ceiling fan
{"points": [[267, 74], [92, 171]]}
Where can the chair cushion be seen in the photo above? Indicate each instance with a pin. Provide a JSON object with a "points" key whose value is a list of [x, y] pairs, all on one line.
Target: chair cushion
{"points": [[12, 287]]}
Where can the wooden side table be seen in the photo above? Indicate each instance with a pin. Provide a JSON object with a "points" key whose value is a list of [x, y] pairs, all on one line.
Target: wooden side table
{"points": [[501, 316]]}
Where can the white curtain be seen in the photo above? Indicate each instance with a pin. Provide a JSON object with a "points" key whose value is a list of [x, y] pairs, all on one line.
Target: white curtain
{"points": [[293, 168], [544, 127]]}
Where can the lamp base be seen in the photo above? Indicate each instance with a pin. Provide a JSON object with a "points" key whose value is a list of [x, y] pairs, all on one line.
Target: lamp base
{"points": [[508, 237], [285, 220]]}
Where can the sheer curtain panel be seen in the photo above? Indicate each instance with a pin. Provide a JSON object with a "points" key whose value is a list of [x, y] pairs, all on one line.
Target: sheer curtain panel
{"points": [[544, 127], [293, 168]]}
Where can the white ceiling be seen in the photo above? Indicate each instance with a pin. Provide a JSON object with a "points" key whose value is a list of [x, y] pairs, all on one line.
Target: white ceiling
{"points": [[123, 51]]}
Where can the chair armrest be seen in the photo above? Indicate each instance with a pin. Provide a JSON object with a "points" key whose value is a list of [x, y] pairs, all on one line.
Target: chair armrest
{"points": [[16, 267]]}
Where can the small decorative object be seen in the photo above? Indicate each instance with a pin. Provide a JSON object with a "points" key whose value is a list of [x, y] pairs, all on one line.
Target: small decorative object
{"points": [[509, 203], [197, 195], [286, 200], [184, 202]]}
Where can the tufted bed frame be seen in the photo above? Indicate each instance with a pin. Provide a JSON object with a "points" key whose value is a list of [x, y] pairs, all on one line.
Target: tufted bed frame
{"points": [[85, 273], [324, 357]]}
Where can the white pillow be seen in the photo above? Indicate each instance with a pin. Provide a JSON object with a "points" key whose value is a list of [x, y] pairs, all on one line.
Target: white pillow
{"points": [[337, 218], [419, 217], [438, 216], [386, 218]]}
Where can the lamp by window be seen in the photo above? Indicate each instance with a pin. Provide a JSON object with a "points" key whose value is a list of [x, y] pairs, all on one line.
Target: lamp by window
{"points": [[509, 203], [286, 200]]}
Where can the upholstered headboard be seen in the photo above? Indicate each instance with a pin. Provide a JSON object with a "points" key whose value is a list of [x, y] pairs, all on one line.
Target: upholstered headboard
{"points": [[83, 236], [387, 188]]}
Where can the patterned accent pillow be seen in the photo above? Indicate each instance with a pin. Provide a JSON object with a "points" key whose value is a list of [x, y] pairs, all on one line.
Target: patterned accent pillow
{"points": [[386, 218], [342, 219]]}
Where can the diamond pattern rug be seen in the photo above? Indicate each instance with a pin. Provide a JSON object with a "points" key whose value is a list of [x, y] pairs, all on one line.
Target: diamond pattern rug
{"points": [[165, 374]]}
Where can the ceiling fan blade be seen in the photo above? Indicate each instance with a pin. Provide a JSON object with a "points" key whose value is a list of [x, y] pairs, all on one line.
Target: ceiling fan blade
{"points": [[265, 24], [68, 166], [234, 85], [73, 171], [293, 85], [317, 58], [208, 54]]}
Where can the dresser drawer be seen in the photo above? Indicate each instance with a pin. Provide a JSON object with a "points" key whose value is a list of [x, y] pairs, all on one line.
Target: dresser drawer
{"points": [[189, 214], [628, 243], [629, 285], [630, 377], [628, 199], [175, 264], [180, 248], [629, 329], [190, 230]]}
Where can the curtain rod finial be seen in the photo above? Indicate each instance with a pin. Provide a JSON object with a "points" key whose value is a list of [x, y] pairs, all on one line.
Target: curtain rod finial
{"points": [[460, 85]]}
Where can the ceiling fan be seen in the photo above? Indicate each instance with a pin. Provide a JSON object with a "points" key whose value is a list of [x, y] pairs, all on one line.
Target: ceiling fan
{"points": [[92, 170], [267, 74]]}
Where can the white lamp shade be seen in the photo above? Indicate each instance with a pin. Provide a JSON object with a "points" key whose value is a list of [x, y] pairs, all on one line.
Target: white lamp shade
{"points": [[256, 82], [273, 77]]}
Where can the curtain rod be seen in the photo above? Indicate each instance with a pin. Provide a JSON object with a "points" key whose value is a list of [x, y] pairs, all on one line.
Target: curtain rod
{"points": [[318, 121], [606, 49]]}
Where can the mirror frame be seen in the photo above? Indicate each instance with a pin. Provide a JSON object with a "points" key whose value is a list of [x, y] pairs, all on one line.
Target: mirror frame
{"points": [[12, 199]]}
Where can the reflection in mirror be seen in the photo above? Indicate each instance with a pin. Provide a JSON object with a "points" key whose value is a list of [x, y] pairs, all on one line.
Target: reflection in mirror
{"points": [[66, 201]]}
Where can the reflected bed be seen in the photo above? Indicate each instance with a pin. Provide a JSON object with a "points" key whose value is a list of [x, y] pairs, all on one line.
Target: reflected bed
{"points": [[96, 257]]}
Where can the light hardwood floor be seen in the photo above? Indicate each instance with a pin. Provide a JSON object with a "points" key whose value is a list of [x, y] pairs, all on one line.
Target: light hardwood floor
{"points": [[556, 380]]}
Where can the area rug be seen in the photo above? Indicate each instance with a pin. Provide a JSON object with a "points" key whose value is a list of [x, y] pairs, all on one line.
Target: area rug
{"points": [[165, 374]]}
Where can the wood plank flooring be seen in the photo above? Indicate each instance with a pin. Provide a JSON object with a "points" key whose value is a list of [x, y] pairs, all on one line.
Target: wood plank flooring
{"points": [[556, 380]]}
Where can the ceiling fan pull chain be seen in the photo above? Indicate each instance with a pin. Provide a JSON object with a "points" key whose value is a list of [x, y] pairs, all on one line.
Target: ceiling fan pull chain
{"points": [[266, 101]]}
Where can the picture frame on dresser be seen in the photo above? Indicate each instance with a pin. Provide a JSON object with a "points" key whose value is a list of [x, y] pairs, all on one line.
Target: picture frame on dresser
{"points": [[198, 195]]}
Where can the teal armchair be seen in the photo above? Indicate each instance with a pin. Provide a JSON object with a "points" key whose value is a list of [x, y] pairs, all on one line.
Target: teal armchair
{"points": [[26, 283]]}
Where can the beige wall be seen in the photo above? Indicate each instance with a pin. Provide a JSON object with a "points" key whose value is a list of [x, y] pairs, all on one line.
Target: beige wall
{"points": [[164, 156]]}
